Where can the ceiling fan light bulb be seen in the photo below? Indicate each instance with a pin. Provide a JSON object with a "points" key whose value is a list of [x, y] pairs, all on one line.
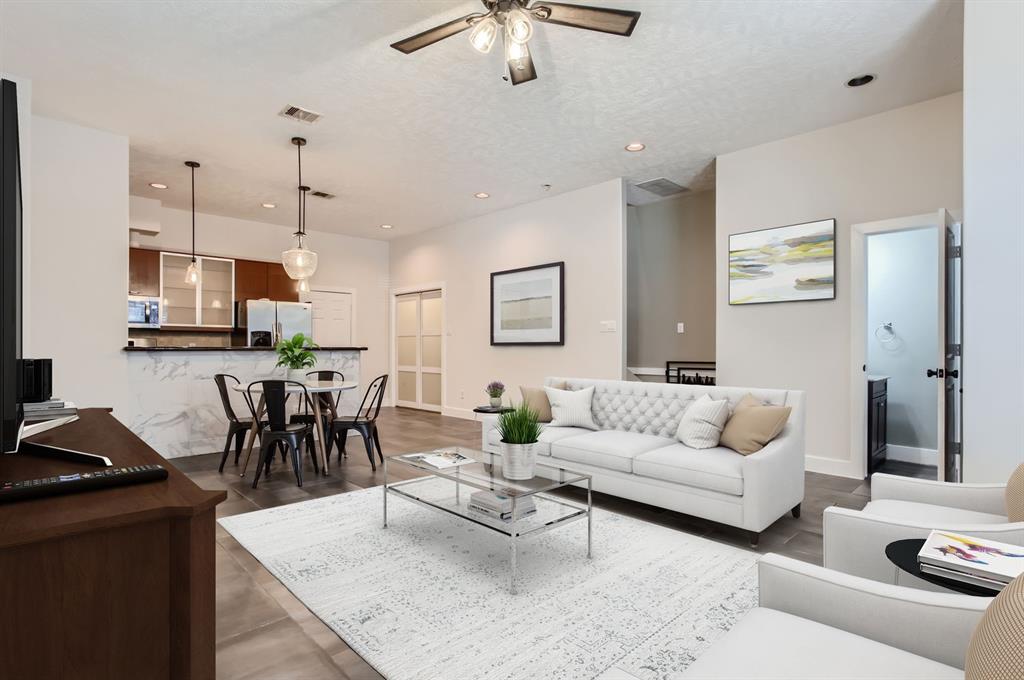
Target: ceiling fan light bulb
{"points": [[515, 53], [518, 26], [483, 35]]}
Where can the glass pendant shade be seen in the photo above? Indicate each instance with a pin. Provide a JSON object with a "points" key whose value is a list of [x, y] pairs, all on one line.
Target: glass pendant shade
{"points": [[299, 263], [192, 274], [515, 54], [303, 285], [518, 26], [483, 34]]}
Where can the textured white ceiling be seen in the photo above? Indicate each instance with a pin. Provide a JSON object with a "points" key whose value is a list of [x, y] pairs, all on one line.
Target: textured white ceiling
{"points": [[408, 139]]}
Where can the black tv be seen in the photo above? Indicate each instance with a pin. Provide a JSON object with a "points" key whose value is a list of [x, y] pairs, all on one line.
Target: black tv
{"points": [[10, 270], [12, 414]]}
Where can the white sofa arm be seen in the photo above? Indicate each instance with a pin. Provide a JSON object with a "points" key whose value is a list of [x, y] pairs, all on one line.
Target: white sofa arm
{"points": [[990, 498], [933, 625], [773, 482], [854, 541]]}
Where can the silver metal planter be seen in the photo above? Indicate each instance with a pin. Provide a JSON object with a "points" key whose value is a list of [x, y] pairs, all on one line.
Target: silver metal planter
{"points": [[518, 460]]}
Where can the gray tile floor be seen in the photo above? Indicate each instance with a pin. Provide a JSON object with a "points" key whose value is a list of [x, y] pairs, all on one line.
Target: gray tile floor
{"points": [[263, 631]]}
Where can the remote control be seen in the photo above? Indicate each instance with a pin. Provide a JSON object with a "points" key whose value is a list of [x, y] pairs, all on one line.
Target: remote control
{"points": [[80, 481]]}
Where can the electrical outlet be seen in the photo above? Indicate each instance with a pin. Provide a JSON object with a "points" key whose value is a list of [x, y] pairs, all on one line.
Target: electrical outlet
{"points": [[462, 395], [680, 327]]}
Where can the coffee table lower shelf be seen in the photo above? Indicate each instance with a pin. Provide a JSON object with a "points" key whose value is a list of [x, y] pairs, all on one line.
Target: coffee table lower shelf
{"points": [[551, 513]]}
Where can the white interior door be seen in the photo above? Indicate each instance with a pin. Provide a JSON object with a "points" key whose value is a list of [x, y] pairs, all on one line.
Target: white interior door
{"points": [[419, 365], [332, 317]]}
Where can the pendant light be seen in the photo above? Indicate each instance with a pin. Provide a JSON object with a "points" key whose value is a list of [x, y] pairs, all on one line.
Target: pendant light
{"points": [[192, 273], [299, 262]]}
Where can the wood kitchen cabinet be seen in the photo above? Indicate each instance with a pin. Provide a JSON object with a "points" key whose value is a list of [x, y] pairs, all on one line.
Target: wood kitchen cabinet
{"points": [[878, 421], [143, 272], [279, 286], [250, 280]]}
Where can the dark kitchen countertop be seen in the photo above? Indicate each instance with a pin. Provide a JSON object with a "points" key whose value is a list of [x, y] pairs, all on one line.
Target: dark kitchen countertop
{"points": [[230, 349]]}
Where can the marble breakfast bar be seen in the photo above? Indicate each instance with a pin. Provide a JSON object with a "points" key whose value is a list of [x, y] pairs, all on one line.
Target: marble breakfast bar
{"points": [[175, 405]]}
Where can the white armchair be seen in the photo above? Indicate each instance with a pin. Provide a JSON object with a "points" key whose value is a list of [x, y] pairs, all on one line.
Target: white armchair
{"points": [[902, 507], [816, 623]]}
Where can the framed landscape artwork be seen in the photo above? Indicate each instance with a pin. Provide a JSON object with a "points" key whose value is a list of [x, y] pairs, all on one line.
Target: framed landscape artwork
{"points": [[783, 264], [528, 305]]}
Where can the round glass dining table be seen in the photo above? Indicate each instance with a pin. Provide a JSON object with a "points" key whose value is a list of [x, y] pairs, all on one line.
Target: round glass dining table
{"points": [[313, 387]]}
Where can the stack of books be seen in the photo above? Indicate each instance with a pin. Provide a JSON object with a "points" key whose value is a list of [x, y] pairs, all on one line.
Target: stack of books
{"points": [[497, 505], [976, 561], [441, 459], [37, 412]]}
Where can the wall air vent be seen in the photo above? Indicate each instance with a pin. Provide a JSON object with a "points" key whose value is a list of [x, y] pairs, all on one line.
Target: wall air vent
{"points": [[300, 114], [661, 187], [321, 194]]}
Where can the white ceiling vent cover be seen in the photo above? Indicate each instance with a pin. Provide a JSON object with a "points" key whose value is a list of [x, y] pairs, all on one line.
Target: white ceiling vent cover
{"points": [[300, 114], [661, 187]]}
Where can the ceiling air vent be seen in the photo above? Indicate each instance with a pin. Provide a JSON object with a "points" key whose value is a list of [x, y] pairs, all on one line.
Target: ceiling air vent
{"points": [[300, 114], [661, 187], [321, 194]]}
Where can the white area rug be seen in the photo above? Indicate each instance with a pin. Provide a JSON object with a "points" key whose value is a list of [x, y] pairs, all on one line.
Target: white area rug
{"points": [[428, 596]]}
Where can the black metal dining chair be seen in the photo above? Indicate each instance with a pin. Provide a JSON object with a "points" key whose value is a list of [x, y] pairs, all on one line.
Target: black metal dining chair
{"points": [[237, 427], [328, 403], [278, 432], [364, 422]]}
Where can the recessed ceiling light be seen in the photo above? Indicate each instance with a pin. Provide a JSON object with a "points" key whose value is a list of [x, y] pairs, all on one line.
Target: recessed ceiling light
{"points": [[157, 185], [860, 80], [636, 146], [482, 194], [386, 226], [269, 205]]}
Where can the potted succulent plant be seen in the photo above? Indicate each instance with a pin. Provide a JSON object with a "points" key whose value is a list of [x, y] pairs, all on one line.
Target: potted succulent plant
{"points": [[519, 431], [296, 355], [494, 390]]}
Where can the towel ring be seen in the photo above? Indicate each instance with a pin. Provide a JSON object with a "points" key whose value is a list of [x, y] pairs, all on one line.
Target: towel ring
{"points": [[884, 333]]}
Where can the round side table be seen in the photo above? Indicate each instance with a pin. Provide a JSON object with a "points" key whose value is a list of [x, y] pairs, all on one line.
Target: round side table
{"points": [[904, 555]]}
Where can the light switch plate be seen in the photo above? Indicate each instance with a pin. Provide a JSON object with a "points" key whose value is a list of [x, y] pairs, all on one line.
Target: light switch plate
{"points": [[680, 327], [608, 326]]}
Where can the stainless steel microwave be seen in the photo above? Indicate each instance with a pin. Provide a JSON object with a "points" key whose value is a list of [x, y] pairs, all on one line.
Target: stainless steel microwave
{"points": [[143, 312]]}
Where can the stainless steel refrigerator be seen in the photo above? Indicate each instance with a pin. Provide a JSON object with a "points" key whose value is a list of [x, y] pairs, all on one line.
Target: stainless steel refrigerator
{"points": [[267, 320]]}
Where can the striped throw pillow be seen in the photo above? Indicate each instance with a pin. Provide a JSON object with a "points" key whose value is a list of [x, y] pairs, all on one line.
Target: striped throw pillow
{"points": [[702, 423], [571, 409]]}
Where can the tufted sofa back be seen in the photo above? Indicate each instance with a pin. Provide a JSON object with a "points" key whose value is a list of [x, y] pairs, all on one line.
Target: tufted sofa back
{"points": [[656, 408]]}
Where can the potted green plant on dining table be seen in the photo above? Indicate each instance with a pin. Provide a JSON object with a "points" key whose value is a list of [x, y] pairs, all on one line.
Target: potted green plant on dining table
{"points": [[296, 355]]}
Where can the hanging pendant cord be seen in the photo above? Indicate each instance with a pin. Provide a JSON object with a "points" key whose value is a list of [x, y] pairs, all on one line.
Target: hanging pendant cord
{"points": [[193, 214]]}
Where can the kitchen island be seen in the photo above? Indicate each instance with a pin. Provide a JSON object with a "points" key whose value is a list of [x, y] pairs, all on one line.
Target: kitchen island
{"points": [[175, 405]]}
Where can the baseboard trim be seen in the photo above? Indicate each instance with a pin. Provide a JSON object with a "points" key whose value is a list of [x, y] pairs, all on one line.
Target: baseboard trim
{"points": [[912, 454], [833, 466], [464, 413]]}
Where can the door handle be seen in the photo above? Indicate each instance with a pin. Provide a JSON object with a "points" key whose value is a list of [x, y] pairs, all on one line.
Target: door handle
{"points": [[953, 373], [935, 373]]}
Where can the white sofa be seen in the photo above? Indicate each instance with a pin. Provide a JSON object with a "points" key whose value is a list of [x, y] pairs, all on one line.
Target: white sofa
{"points": [[635, 453], [902, 507], [814, 623]]}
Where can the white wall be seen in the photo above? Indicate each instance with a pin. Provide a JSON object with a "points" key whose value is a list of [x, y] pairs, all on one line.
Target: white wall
{"points": [[79, 271], [671, 279], [584, 228], [344, 261], [993, 363], [902, 162], [902, 268]]}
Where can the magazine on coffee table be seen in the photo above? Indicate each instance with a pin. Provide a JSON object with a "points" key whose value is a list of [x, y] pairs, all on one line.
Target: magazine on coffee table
{"points": [[978, 558], [442, 459]]}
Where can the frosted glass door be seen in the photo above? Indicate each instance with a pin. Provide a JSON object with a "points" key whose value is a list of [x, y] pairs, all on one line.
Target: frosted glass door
{"points": [[419, 321], [217, 292], [180, 299]]}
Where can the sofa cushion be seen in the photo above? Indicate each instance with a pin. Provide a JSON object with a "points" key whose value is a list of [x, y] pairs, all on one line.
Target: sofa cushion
{"points": [[548, 434], [753, 425], [571, 409], [717, 469], [702, 423], [923, 513], [767, 643], [537, 399], [609, 449]]}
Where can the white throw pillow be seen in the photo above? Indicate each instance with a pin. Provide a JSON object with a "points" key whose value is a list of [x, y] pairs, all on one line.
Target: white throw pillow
{"points": [[571, 408], [702, 423]]}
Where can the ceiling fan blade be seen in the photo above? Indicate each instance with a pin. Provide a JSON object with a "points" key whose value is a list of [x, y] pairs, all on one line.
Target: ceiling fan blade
{"points": [[433, 35], [614, 21], [522, 70]]}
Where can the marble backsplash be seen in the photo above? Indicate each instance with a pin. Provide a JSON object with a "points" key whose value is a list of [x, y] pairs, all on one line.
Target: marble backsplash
{"points": [[175, 406]]}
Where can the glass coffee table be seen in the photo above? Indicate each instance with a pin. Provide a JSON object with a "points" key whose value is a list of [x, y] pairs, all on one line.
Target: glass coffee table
{"points": [[550, 511]]}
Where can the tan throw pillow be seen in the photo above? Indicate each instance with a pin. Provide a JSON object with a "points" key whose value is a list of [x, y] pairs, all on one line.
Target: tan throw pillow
{"points": [[1015, 495], [537, 399], [995, 649], [753, 425]]}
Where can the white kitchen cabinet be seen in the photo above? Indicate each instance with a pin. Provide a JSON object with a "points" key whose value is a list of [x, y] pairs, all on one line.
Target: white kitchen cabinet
{"points": [[209, 304]]}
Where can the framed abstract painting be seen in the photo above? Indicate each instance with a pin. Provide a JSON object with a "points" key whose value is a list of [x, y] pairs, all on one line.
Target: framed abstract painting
{"points": [[783, 264], [528, 305]]}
